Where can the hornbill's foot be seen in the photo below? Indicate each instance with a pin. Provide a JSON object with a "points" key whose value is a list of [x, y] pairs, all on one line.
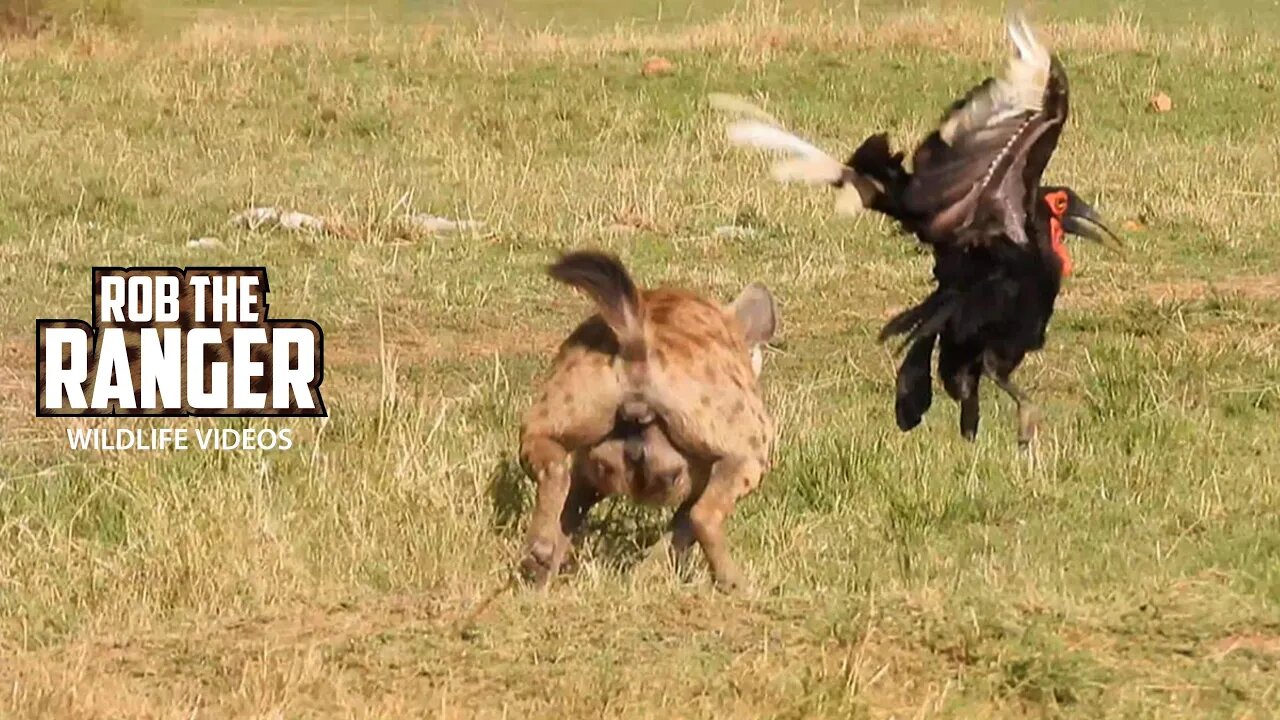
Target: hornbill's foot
{"points": [[1028, 425], [969, 417]]}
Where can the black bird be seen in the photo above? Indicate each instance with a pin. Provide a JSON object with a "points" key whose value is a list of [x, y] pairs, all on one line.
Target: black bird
{"points": [[973, 195]]}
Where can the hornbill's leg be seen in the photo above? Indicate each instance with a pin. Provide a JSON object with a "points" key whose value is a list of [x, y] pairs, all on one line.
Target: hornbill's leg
{"points": [[961, 369], [970, 412], [969, 415], [1026, 409]]}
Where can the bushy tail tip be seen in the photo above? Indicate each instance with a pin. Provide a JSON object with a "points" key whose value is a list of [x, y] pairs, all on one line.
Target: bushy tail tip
{"points": [[604, 278]]}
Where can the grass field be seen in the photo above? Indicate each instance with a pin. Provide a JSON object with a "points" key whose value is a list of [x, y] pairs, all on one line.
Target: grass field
{"points": [[1133, 570]]}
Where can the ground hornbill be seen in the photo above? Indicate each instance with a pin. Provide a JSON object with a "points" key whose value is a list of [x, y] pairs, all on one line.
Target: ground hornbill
{"points": [[973, 195]]}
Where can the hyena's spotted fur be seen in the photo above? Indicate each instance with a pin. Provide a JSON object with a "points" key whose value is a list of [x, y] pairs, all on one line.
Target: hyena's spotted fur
{"points": [[662, 358], [214, 353]]}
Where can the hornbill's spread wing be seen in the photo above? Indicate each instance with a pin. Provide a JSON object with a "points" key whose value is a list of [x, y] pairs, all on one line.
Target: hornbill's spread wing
{"points": [[975, 177]]}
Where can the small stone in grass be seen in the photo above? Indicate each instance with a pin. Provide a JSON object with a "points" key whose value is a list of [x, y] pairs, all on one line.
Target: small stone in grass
{"points": [[657, 66], [734, 231], [1161, 103]]}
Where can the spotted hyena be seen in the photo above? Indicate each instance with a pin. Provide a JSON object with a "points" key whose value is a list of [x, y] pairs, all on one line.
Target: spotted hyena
{"points": [[681, 371]]}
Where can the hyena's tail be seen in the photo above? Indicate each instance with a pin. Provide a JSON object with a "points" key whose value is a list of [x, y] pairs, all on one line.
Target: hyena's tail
{"points": [[607, 282], [604, 278]]}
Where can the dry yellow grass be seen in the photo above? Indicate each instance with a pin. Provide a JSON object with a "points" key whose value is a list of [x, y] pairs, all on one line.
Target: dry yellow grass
{"points": [[751, 36], [1130, 572]]}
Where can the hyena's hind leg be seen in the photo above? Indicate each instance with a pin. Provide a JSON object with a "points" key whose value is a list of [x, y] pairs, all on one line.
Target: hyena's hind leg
{"points": [[731, 478], [582, 497], [578, 410], [716, 411]]}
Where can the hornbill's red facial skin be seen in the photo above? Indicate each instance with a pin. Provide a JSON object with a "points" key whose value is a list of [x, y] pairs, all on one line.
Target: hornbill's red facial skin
{"points": [[1057, 202]]}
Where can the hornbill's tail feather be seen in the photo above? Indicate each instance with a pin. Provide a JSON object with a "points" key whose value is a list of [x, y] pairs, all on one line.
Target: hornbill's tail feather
{"points": [[915, 384], [923, 320]]}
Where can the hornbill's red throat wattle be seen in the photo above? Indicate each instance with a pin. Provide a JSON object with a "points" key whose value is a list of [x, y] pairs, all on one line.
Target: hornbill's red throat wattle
{"points": [[973, 195], [1069, 215]]}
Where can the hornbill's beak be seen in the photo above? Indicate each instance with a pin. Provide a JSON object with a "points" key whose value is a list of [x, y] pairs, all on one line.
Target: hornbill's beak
{"points": [[1084, 221]]}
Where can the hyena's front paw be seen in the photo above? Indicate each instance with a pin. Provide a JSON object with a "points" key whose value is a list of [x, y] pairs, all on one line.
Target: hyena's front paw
{"points": [[540, 562]]}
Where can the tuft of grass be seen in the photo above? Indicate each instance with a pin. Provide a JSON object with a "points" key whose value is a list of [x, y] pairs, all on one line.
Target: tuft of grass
{"points": [[30, 18], [23, 17]]}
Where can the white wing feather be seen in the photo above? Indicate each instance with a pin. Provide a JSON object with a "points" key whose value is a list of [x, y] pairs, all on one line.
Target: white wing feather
{"points": [[758, 135], [1028, 72], [1020, 90], [806, 162], [802, 162]]}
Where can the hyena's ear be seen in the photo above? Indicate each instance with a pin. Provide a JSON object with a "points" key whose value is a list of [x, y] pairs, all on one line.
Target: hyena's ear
{"points": [[757, 312]]}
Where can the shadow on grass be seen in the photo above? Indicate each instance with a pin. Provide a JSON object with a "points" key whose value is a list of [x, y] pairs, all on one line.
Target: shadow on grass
{"points": [[617, 534], [510, 495]]}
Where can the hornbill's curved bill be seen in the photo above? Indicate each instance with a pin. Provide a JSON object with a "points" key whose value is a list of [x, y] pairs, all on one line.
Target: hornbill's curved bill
{"points": [[1083, 221], [973, 194]]}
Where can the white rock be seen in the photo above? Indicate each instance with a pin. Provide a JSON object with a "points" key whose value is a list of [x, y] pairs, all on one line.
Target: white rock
{"points": [[253, 218], [294, 220], [734, 231], [436, 224]]}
